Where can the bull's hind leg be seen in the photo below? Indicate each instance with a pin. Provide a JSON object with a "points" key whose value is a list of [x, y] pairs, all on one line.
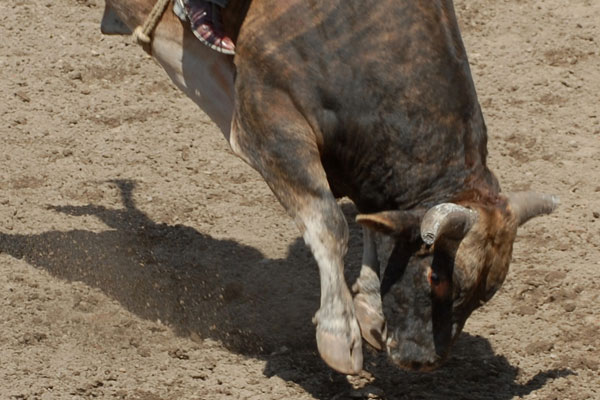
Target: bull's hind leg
{"points": [[367, 295], [280, 145]]}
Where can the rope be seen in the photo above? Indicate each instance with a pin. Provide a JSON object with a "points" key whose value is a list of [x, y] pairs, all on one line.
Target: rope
{"points": [[142, 32]]}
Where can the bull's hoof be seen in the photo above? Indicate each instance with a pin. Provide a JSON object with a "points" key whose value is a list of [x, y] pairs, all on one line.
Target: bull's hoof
{"points": [[341, 352], [371, 321]]}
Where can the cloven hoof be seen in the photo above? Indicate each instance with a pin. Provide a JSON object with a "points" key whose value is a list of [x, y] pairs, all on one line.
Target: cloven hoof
{"points": [[371, 321], [339, 353]]}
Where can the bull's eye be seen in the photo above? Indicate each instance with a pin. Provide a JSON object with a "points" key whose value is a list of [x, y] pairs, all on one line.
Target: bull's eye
{"points": [[434, 278], [440, 285]]}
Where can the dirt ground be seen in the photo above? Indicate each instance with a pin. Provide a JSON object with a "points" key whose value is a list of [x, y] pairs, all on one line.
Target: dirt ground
{"points": [[140, 259]]}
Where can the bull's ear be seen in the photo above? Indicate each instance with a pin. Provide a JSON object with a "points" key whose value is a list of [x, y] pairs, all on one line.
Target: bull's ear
{"points": [[393, 223], [526, 205]]}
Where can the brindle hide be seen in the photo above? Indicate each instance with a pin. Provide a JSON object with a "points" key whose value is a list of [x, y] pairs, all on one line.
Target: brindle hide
{"points": [[372, 100]]}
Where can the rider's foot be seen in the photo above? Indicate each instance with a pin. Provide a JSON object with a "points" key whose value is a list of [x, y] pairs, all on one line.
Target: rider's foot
{"points": [[205, 18]]}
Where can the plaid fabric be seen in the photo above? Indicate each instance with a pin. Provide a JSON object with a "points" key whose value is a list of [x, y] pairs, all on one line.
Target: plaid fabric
{"points": [[204, 18]]}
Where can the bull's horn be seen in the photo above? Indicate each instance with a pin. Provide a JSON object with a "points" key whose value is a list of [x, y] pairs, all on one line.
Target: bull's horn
{"points": [[447, 219], [527, 205]]}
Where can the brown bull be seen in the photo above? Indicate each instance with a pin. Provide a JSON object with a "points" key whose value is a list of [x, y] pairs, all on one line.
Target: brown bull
{"points": [[372, 100]]}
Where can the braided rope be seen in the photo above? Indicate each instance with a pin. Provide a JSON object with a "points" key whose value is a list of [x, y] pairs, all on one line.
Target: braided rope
{"points": [[142, 32]]}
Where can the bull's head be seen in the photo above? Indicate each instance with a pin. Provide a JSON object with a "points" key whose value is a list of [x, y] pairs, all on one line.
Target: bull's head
{"points": [[444, 268]]}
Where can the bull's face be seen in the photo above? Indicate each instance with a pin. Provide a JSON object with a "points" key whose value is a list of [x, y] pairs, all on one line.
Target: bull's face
{"points": [[443, 269]]}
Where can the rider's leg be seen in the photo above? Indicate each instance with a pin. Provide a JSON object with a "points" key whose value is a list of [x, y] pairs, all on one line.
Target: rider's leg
{"points": [[207, 25]]}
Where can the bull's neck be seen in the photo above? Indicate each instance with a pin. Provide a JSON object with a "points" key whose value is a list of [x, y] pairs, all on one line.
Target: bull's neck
{"points": [[204, 75], [132, 12]]}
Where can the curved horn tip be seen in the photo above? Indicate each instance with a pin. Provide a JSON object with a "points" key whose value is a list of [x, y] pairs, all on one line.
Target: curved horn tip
{"points": [[428, 237], [528, 205], [446, 218], [552, 202], [555, 201]]}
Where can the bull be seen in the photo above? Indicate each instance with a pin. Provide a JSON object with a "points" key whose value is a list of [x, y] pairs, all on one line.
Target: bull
{"points": [[372, 100]]}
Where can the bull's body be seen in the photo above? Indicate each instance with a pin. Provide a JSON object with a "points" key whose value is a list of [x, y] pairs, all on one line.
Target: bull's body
{"points": [[387, 98], [372, 100]]}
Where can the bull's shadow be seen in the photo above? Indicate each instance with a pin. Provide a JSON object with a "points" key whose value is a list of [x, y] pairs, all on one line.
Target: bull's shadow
{"points": [[473, 372], [230, 292], [218, 289]]}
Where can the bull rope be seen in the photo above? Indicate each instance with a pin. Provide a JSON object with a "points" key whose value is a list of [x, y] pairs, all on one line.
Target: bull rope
{"points": [[142, 32]]}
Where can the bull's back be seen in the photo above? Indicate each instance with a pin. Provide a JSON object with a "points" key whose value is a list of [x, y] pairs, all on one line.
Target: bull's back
{"points": [[385, 86]]}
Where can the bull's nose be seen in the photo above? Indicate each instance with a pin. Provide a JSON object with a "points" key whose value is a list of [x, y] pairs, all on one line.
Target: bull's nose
{"points": [[413, 355], [417, 366]]}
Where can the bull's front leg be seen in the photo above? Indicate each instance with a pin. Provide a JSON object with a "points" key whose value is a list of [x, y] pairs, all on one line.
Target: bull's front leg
{"points": [[367, 295], [278, 142], [338, 334], [325, 231]]}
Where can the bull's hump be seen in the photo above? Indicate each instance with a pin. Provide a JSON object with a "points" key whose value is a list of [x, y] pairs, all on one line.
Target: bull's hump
{"points": [[359, 59], [385, 85], [345, 39]]}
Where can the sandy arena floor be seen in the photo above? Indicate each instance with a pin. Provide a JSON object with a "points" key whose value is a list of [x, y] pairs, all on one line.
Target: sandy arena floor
{"points": [[141, 260]]}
